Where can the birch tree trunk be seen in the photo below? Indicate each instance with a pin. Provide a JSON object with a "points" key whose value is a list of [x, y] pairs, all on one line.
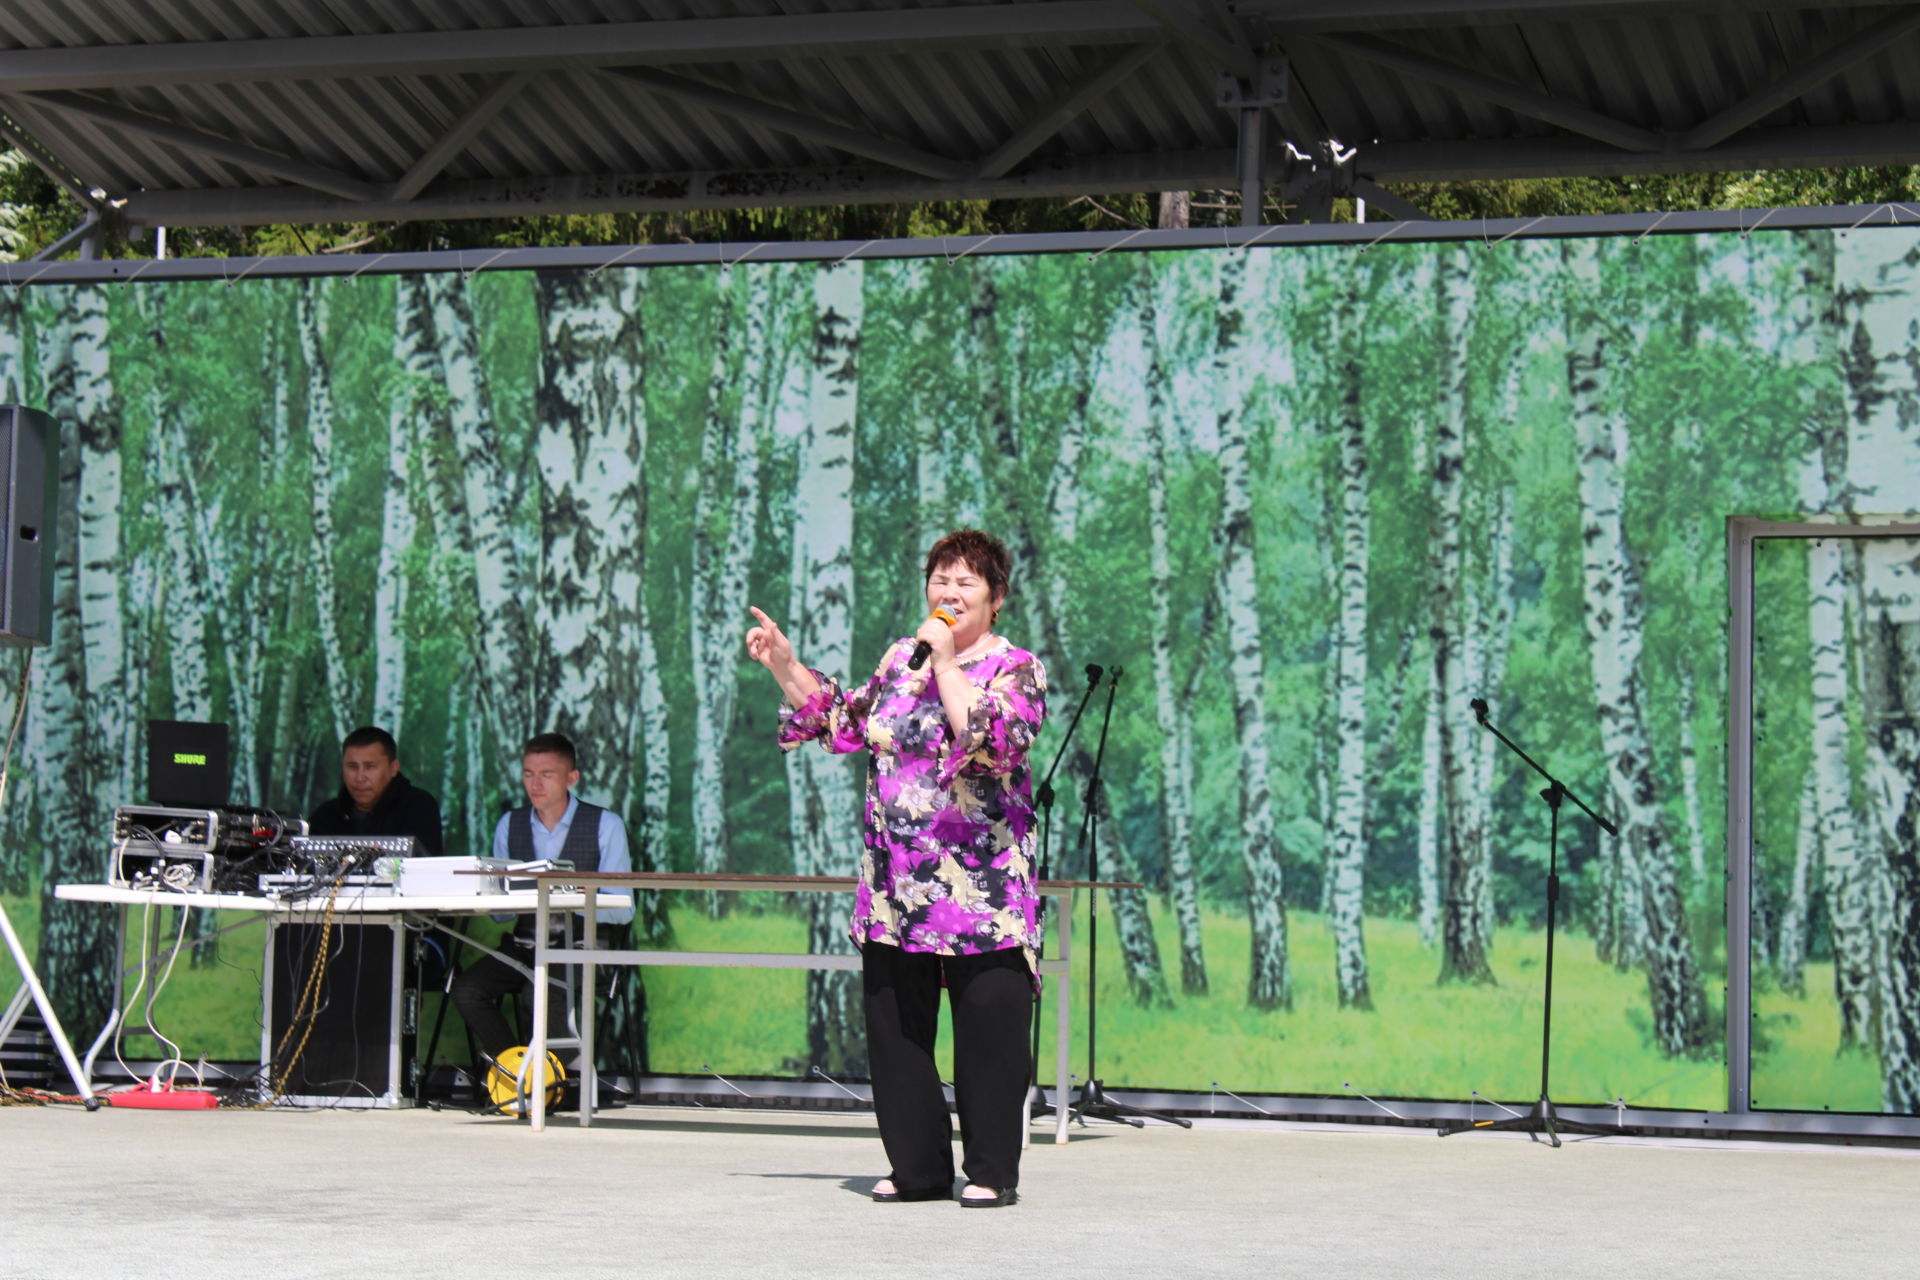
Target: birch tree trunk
{"points": [[712, 668], [1790, 949], [342, 689], [928, 403], [83, 703], [488, 498], [103, 611], [185, 601], [288, 702], [185, 606], [1690, 789], [1467, 915], [416, 356], [596, 676], [1491, 609], [1493, 614], [1654, 921], [1325, 718], [1620, 926], [725, 528], [1269, 984], [262, 583], [824, 803], [651, 743], [591, 450], [1347, 847], [1763, 929], [1427, 838], [1170, 709], [1892, 722], [949, 472], [1814, 344]]}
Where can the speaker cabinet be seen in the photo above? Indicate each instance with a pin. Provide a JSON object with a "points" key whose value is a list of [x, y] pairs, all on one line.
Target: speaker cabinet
{"points": [[29, 500], [356, 1038]]}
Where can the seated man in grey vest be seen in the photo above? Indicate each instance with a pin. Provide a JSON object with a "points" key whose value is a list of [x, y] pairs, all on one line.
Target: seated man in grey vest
{"points": [[554, 824]]}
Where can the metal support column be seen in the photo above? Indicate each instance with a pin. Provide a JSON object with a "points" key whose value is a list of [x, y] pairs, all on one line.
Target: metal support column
{"points": [[1253, 191], [1249, 100]]}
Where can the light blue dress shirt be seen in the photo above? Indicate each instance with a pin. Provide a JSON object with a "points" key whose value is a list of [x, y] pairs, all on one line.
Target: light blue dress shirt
{"points": [[614, 855]]}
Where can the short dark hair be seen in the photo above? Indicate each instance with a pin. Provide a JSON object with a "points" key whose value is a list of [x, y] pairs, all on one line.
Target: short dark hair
{"points": [[551, 744], [981, 552], [371, 736]]}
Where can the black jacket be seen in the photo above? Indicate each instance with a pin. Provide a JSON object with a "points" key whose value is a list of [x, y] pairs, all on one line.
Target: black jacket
{"points": [[402, 810]]}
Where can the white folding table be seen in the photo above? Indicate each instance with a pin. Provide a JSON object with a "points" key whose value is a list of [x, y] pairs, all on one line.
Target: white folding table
{"points": [[354, 906], [548, 886]]}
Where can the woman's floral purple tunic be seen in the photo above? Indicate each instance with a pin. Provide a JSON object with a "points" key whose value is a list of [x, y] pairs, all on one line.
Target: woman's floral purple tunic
{"points": [[948, 864]]}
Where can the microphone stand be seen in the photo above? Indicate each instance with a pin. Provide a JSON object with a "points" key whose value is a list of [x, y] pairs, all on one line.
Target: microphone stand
{"points": [[1043, 796], [1543, 1118], [1093, 1103]]}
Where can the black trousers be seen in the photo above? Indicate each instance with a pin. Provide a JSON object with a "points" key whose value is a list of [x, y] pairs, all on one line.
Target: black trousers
{"points": [[992, 997], [478, 993]]}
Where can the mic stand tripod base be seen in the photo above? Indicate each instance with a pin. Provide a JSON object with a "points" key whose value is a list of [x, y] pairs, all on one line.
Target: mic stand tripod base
{"points": [[1542, 1119], [1092, 1103]]}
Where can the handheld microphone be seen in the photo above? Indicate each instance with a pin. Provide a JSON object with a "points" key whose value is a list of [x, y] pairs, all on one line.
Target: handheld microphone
{"points": [[921, 648]]}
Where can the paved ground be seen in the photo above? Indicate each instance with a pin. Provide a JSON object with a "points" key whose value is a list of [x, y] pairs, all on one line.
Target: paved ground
{"points": [[684, 1192]]}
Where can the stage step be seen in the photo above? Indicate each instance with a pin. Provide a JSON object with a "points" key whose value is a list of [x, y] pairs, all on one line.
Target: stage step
{"points": [[26, 1059]]}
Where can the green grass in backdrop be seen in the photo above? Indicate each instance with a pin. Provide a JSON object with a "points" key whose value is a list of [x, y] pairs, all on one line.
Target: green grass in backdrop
{"points": [[1796, 1062], [1446, 1040]]}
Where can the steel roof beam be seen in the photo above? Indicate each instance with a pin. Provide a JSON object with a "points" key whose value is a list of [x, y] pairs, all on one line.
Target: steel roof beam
{"points": [[47, 163], [319, 177], [1503, 93], [664, 192], [1235, 53], [1813, 147], [1864, 44], [662, 43], [1083, 93], [840, 137], [450, 144], [1306, 16]]}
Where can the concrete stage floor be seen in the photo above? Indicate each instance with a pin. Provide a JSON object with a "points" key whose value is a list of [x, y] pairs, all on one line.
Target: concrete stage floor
{"points": [[688, 1192]]}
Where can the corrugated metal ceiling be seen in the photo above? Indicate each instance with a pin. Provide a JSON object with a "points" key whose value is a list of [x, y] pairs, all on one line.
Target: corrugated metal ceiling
{"points": [[250, 110]]}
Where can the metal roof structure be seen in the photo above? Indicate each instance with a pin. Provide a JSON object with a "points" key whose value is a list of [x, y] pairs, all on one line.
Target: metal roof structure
{"points": [[237, 112]]}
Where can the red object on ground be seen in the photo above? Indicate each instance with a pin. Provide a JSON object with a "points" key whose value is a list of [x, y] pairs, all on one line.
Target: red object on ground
{"points": [[166, 1099]]}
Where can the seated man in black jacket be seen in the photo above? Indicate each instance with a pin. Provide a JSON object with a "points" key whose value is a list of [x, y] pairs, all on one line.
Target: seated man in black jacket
{"points": [[375, 797]]}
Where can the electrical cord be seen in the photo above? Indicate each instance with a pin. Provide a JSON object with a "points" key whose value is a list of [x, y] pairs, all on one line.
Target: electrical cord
{"points": [[306, 1009], [146, 941]]}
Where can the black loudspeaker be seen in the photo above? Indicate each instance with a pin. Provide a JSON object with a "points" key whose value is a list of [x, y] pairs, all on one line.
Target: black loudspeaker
{"points": [[29, 499], [356, 1040]]}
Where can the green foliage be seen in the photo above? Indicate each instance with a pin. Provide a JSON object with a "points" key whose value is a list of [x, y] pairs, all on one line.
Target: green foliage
{"points": [[1655, 193]]}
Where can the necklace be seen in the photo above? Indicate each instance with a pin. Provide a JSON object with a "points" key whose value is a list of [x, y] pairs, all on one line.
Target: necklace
{"points": [[978, 646]]}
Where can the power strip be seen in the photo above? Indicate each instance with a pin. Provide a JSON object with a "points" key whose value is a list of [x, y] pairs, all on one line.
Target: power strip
{"points": [[167, 1098]]}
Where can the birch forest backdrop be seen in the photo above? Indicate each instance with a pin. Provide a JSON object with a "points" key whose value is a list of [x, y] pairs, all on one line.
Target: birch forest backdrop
{"points": [[1309, 500]]}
